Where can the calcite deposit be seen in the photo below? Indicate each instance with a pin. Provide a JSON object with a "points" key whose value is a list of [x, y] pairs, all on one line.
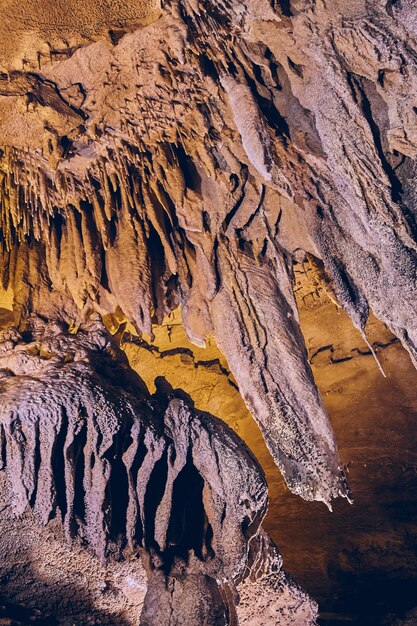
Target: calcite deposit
{"points": [[83, 441], [156, 155]]}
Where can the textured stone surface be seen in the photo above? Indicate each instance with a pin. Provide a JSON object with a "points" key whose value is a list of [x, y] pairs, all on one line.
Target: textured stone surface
{"points": [[168, 161], [130, 475], [63, 583], [359, 561], [187, 154], [203, 167]]}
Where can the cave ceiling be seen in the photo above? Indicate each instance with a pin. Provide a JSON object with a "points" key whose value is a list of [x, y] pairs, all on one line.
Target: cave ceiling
{"points": [[192, 156]]}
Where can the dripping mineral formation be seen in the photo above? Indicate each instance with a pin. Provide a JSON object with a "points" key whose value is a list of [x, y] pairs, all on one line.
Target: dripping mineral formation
{"points": [[187, 153], [130, 473]]}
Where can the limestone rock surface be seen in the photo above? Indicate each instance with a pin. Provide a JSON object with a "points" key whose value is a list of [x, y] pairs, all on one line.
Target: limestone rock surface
{"points": [[127, 473], [156, 155]]}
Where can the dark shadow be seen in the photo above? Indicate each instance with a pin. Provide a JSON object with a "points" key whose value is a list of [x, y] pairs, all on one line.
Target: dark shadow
{"points": [[57, 604], [164, 389]]}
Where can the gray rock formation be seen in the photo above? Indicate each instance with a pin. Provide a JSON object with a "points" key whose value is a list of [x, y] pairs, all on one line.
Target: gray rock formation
{"points": [[81, 439]]}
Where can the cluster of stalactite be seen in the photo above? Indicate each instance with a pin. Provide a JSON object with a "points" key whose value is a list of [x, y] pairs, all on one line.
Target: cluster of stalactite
{"points": [[188, 161], [82, 439]]}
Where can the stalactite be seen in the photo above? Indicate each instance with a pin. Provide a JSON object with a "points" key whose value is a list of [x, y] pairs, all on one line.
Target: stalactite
{"points": [[147, 190]]}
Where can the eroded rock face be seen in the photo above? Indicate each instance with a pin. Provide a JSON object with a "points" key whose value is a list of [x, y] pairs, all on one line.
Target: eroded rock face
{"points": [[82, 439], [168, 153], [267, 580], [201, 151], [186, 154]]}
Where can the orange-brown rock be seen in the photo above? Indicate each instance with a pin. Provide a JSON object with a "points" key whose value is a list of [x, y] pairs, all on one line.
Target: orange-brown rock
{"points": [[188, 154]]}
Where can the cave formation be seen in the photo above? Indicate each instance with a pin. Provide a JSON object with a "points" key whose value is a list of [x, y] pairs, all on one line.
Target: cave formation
{"points": [[193, 190]]}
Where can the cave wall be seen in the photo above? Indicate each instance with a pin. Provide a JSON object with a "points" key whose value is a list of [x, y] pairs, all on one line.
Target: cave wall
{"points": [[357, 562], [177, 148], [197, 155]]}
